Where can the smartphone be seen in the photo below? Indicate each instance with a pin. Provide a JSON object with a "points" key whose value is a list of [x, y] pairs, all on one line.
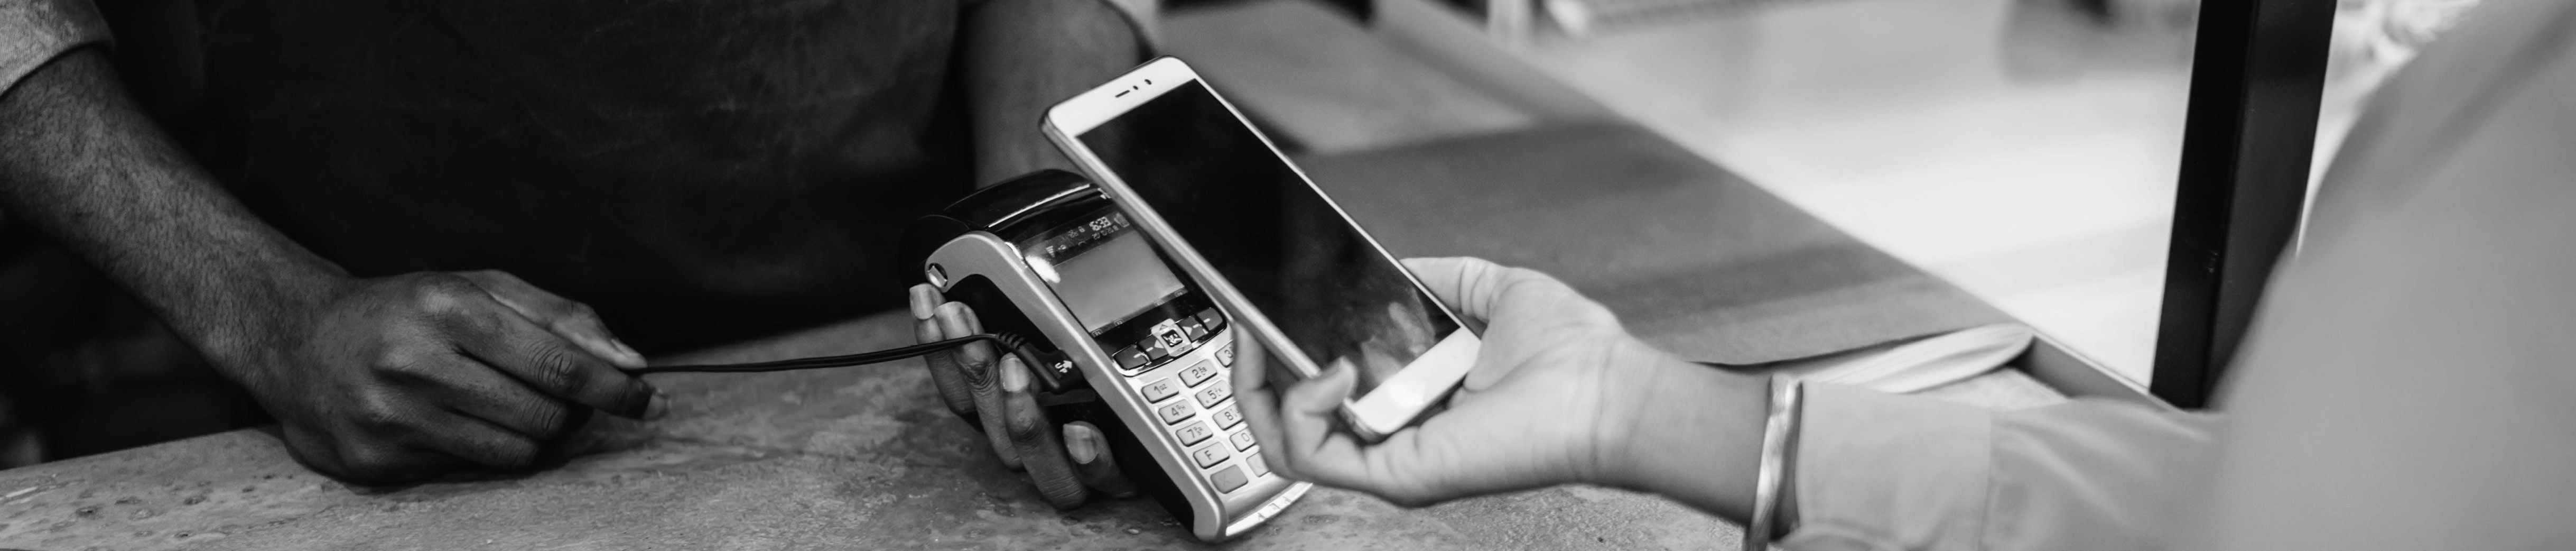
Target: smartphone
{"points": [[1277, 254]]}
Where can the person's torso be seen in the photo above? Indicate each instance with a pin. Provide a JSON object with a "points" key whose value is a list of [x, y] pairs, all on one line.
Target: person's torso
{"points": [[686, 166], [2404, 385]]}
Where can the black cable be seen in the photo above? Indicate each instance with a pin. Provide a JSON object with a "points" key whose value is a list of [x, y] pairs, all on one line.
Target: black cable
{"points": [[1011, 343]]}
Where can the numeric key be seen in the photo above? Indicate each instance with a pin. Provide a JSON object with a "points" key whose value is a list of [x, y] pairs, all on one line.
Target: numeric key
{"points": [[1198, 373], [1179, 411], [1215, 393]]}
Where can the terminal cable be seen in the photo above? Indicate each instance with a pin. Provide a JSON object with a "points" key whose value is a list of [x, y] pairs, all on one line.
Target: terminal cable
{"points": [[1013, 343]]}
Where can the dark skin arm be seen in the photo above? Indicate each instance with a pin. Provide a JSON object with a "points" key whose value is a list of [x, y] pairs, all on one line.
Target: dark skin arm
{"points": [[376, 380], [1023, 56]]}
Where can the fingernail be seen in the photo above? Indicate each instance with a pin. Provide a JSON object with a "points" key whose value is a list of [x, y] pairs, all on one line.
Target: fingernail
{"points": [[1081, 443], [1015, 378], [659, 407], [1340, 370], [923, 299], [628, 351]]}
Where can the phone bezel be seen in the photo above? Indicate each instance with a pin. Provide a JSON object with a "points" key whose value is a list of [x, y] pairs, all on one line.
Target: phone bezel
{"points": [[1372, 416]]}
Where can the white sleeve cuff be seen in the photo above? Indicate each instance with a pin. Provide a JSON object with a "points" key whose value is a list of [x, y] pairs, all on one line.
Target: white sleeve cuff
{"points": [[1881, 471]]}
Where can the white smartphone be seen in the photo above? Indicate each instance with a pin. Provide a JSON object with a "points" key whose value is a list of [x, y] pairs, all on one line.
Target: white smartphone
{"points": [[1278, 255]]}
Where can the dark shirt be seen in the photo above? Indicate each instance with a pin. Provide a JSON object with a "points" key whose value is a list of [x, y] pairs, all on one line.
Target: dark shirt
{"points": [[698, 170]]}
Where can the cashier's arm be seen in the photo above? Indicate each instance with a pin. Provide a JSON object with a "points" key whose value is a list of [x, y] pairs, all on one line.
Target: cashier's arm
{"points": [[1023, 56], [374, 379], [1562, 395]]}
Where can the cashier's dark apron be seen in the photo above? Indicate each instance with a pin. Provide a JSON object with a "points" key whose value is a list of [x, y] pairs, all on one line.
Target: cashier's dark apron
{"points": [[698, 170]]}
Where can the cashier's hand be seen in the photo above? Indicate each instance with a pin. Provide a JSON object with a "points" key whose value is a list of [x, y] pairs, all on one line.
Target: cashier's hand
{"points": [[1550, 400], [400, 378], [997, 393]]}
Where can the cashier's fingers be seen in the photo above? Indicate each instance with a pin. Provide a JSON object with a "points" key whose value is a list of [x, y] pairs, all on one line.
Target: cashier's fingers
{"points": [[481, 442], [548, 363], [572, 320], [379, 463], [1030, 434], [1092, 457], [945, 372], [473, 390], [975, 366]]}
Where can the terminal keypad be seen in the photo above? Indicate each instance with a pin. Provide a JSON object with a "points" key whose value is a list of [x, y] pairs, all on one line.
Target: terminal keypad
{"points": [[1205, 381]]}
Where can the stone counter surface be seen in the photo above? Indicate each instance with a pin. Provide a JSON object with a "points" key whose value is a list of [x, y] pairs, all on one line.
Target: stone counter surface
{"points": [[851, 458]]}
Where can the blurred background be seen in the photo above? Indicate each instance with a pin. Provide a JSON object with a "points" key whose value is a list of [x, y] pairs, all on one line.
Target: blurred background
{"points": [[2025, 150]]}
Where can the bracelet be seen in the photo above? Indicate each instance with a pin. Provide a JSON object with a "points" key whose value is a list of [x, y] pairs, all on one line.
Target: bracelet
{"points": [[1778, 434]]}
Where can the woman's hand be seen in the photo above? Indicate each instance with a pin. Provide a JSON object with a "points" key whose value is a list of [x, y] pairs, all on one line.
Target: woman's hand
{"points": [[1560, 394]]}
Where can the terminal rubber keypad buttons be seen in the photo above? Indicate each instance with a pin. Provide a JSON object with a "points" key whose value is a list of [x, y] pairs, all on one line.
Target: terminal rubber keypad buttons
{"points": [[1242, 440], [1130, 358], [1215, 393], [1209, 456], [1176, 412], [1228, 479], [1227, 418], [1194, 433], [1154, 349], [1258, 468], [1167, 340], [1161, 390], [1198, 373]]}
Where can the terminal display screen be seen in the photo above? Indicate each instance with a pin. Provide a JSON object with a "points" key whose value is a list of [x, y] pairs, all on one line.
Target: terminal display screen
{"points": [[1103, 270]]}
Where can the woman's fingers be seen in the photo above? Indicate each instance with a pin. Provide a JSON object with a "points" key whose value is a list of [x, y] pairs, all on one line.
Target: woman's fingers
{"points": [[1259, 405], [1314, 450], [1297, 430], [1468, 285], [1415, 467]]}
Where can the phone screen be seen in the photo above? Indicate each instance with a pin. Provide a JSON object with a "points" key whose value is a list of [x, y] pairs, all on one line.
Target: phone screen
{"points": [[1270, 233]]}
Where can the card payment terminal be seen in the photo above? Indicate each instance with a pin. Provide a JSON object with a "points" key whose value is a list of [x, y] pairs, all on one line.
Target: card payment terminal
{"points": [[1122, 340]]}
